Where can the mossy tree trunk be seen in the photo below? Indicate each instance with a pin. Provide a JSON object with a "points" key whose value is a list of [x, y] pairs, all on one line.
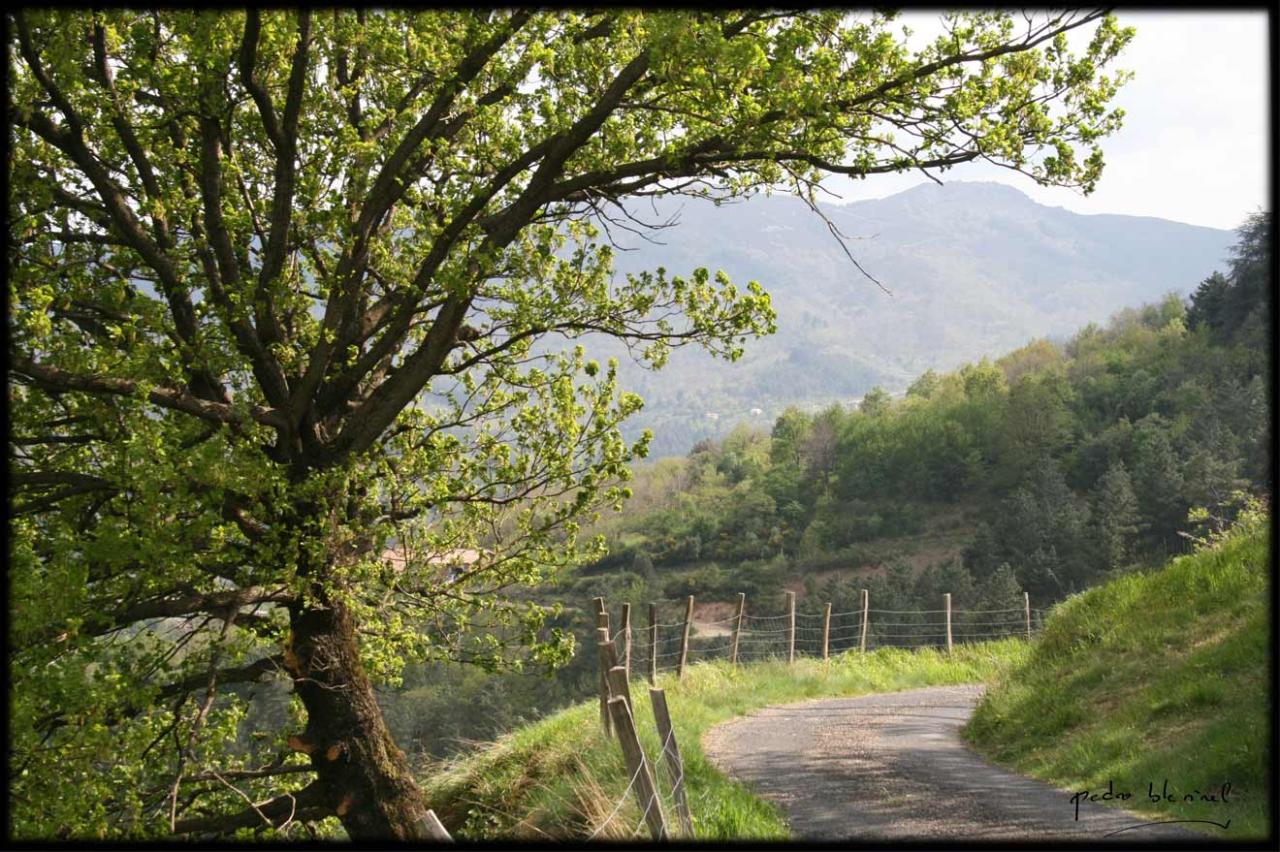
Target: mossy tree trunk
{"points": [[361, 772]]}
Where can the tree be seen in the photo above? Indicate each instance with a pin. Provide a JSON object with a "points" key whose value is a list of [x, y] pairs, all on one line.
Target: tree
{"points": [[875, 402], [1037, 422], [925, 386], [1225, 303], [1249, 296], [1042, 528], [819, 449], [1158, 480], [288, 291], [1000, 591], [1115, 516], [983, 555], [1207, 302], [998, 597]]}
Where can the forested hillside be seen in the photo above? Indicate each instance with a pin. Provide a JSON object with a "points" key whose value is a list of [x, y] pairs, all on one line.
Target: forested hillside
{"points": [[971, 269], [1047, 470], [1057, 463]]}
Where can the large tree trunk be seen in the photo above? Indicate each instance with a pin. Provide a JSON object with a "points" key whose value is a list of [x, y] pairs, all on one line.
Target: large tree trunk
{"points": [[363, 774]]}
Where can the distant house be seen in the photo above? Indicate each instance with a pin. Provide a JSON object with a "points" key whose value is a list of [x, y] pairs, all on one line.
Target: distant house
{"points": [[453, 563]]}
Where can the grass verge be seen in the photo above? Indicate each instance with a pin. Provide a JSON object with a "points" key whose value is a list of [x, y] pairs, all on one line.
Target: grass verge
{"points": [[1152, 678], [560, 778]]}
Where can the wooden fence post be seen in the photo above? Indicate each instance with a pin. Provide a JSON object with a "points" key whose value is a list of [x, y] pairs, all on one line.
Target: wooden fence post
{"points": [[653, 643], [602, 615], [737, 625], [947, 597], [684, 643], [675, 763], [637, 767], [791, 627], [1026, 604], [866, 611], [826, 631], [605, 648], [626, 638], [618, 684], [430, 828]]}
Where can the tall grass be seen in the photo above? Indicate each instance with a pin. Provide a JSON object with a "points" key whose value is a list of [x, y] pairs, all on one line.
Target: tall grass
{"points": [[1155, 676], [561, 778]]}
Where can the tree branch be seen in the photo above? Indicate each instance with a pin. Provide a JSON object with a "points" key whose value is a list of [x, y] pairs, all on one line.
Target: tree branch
{"points": [[248, 76], [308, 803], [388, 186], [71, 142], [268, 323], [56, 379]]}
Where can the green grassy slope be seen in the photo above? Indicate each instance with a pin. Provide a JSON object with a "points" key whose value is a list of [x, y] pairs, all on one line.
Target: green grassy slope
{"points": [[1152, 677], [561, 778]]}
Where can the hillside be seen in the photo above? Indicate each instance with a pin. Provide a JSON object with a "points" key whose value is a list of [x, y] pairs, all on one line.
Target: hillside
{"points": [[1152, 677], [973, 268], [1158, 675]]}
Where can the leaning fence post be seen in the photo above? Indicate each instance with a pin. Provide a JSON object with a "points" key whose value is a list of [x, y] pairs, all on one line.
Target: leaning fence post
{"points": [[1026, 605], [826, 630], [947, 597], [684, 643], [675, 763], [791, 627], [626, 638], [737, 625], [605, 648], [618, 683], [653, 643], [638, 767], [866, 603]]}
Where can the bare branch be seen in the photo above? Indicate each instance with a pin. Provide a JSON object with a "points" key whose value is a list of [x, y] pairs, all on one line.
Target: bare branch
{"points": [[308, 803]]}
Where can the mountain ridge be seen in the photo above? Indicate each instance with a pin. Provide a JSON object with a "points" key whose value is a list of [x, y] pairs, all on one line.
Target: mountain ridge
{"points": [[974, 268]]}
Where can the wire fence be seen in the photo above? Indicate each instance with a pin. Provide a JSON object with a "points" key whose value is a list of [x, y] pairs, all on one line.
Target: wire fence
{"points": [[772, 635], [747, 636], [666, 785]]}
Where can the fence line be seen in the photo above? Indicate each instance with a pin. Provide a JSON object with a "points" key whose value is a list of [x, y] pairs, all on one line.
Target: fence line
{"points": [[759, 636]]}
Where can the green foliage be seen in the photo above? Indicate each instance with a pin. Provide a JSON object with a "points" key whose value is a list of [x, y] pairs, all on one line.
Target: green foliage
{"points": [[1115, 516], [1239, 302]]}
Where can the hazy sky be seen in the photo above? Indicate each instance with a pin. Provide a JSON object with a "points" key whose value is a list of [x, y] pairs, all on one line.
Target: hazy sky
{"points": [[1194, 146]]}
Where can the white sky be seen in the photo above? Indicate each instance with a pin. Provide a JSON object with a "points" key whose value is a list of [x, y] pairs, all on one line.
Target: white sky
{"points": [[1195, 142]]}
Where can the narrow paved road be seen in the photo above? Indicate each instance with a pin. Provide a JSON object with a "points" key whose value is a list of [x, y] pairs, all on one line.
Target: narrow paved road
{"points": [[893, 766]]}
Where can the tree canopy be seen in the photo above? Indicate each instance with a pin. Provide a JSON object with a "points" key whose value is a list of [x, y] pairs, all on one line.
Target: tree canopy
{"points": [[290, 392]]}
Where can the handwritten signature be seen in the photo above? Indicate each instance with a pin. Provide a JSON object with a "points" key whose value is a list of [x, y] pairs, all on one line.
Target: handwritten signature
{"points": [[1216, 795]]}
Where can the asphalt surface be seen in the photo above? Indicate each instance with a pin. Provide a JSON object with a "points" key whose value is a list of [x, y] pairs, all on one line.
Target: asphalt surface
{"points": [[893, 766]]}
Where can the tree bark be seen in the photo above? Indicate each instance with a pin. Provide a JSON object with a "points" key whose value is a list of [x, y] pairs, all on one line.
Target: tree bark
{"points": [[364, 776]]}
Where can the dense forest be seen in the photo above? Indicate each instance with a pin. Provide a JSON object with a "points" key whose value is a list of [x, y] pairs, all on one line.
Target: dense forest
{"points": [[1046, 470]]}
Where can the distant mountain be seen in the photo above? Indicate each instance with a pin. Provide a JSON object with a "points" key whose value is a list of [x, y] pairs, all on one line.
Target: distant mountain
{"points": [[974, 269]]}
